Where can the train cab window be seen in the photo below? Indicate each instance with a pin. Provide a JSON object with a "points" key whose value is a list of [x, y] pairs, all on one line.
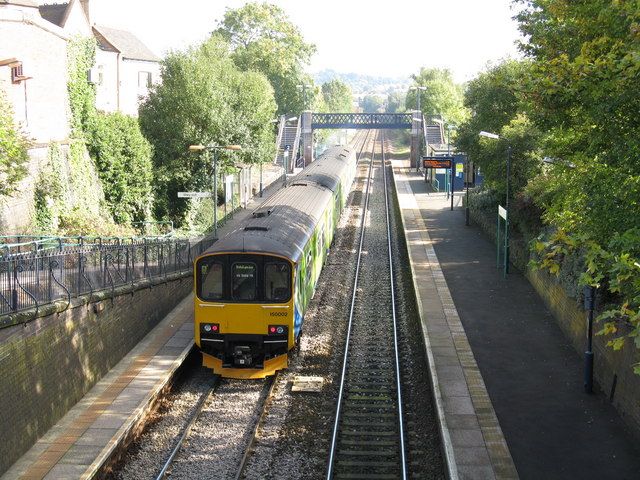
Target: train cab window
{"points": [[276, 281], [211, 281], [243, 281]]}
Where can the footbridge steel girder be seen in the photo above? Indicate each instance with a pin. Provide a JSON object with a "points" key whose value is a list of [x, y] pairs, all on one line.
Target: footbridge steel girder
{"points": [[361, 120], [312, 121]]}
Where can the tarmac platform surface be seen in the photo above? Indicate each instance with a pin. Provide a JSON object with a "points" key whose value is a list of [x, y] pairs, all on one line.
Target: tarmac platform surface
{"points": [[532, 373]]}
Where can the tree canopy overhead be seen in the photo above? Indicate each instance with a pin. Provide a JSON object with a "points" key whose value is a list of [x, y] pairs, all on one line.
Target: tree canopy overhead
{"points": [[263, 39], [336, 97], [442, 95], [203, 98]]}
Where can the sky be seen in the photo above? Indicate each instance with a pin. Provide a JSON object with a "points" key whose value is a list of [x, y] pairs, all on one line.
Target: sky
{"points": [[394, 38]]}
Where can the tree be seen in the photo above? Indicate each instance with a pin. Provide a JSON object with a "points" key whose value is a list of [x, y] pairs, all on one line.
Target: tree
{"points": [[263, 39], [203, 98], [337, 96], [497, 106], [583, 90], [123, 158], [371, 103], [442, 95], [396, 102], [13, 150]]}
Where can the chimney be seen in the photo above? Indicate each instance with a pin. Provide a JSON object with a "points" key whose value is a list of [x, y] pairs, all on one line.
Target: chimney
{"points": [[85, 7]]}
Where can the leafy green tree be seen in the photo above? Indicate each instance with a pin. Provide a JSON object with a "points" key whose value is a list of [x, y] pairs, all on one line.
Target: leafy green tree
{"points": [[498, 106], [442, 95], [123, 158], [13, 150], [583, 89], [396, 102], [337, 97], [371, 103], [263, 39], [203, 98]]}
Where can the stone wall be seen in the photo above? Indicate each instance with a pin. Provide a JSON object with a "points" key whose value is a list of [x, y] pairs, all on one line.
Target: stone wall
{"points": [[613, 371], [49, 363]]}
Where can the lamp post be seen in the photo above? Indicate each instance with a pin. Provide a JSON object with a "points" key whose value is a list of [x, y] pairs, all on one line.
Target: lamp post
{"points": [[466, 202], [449, 128], [214, 160], [506, 222], [303, 87], [418, 89], [285, 160]]}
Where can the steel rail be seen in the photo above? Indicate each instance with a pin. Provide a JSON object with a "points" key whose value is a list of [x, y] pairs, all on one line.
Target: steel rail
{"points": [[393, 311], [196, 414], [332, 451], [256, 429]]}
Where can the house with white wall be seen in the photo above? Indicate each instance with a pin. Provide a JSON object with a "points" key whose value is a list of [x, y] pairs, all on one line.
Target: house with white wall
{"points": [[33, 70], [125, 67], [34, 74]]}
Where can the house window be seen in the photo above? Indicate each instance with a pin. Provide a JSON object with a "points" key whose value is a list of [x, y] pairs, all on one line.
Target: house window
{"points": [[144, 79], [16, 73]]}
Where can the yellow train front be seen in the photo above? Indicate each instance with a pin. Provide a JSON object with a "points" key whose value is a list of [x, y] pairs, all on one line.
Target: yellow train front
{"points": [[253, 286], [244, 313]]}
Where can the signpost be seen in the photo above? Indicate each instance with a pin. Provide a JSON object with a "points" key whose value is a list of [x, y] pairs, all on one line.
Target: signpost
{"points": [[194, 195], [502, 215]]}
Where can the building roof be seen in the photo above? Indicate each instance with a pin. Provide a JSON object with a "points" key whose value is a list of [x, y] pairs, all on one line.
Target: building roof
{"points": [[54, 13], [22, 3], [126, 43]]}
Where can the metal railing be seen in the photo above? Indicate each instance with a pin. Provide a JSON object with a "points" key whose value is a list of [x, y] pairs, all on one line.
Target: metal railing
{"points": [[39, 276]]}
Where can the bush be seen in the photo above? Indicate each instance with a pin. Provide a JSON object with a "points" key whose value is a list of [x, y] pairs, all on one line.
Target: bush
{"points": [[13, 150], [123, 159]]}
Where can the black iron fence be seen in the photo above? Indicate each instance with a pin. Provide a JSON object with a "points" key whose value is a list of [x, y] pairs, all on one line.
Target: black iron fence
{"points": [[46, 270]]}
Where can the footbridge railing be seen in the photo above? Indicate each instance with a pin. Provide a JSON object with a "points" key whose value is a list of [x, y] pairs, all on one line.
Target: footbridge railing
{"points": [[361, 120]]}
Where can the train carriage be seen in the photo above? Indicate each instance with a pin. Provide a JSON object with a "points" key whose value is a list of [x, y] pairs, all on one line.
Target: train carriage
{"points": [[252, 287]]}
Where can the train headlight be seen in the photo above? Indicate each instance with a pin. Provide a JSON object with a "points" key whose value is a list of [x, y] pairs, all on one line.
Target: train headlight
{"points": [[210, 327]]}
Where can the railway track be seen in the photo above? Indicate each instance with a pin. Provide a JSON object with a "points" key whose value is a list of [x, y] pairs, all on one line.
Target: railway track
{"points": [[196, 457], [185, 433], [368, 435]]}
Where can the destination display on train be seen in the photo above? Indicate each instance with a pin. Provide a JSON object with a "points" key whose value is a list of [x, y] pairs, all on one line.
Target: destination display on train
{"points": [[436, 162]]}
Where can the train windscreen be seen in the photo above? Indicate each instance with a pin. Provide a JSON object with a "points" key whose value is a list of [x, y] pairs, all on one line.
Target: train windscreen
{"points": [[243, 279]]}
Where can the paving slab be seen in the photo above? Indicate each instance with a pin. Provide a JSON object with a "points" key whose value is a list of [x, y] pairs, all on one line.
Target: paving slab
{"points": [[473, 443]]}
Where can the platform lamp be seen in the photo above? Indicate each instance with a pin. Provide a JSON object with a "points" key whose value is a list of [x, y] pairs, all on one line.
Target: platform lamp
{"points": [[303, 87], [214, 160], [506, 248], [418, 89]]}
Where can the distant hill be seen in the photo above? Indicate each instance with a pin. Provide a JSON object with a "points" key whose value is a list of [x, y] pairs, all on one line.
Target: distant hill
{"points": [[361, 84]]}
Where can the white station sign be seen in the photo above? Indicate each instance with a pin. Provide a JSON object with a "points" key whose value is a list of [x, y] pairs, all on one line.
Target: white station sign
{"points": [[194, 194]]}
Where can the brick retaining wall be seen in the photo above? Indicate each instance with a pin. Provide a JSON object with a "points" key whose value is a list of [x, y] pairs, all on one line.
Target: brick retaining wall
{"points": [[50, 362], [608, 365]]}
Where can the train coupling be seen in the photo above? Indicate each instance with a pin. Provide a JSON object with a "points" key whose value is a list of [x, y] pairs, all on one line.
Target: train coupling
{"points": [[242, 356]]}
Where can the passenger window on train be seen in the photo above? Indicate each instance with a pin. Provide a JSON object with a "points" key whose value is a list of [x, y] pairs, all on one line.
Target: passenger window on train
{"points": [[211, 281], [243, 281], [276, 280]]}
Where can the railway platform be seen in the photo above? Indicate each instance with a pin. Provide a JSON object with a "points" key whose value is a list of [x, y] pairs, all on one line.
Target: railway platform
{"points": [[83, 441], [510, 381]]}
